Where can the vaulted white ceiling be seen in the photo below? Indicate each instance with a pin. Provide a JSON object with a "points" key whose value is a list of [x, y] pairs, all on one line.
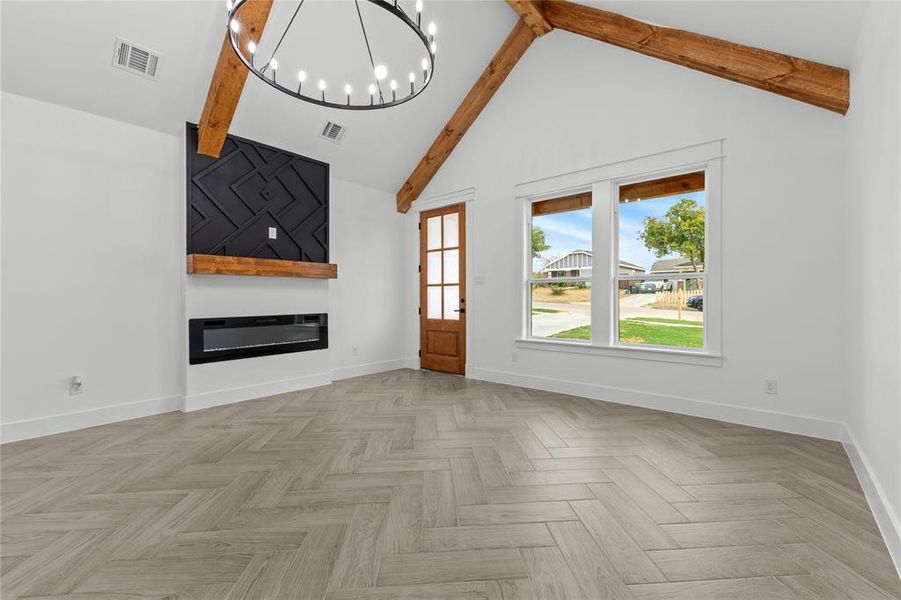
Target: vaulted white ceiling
{"points": [[61, 52]]}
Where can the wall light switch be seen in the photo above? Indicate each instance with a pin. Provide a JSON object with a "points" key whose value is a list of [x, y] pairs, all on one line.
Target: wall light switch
{"points": [[273, 233], [770, 386]]}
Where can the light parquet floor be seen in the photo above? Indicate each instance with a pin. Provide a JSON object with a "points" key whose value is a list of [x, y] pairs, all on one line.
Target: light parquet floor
{"points": [[419, 485]]}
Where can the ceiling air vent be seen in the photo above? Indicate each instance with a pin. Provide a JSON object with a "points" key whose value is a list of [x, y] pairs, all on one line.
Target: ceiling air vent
{"points": [[135, 59], [333, 132]]}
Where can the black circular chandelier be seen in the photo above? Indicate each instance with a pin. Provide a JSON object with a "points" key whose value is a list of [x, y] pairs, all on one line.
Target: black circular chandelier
{"points": [[296, 84]]}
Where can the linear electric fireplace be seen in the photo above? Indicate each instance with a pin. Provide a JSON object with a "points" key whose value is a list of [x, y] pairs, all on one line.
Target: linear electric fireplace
{"points": [[231, 338]]}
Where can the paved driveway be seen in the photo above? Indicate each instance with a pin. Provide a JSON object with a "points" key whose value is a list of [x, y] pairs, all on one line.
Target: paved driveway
{"points": [[571, 315]]}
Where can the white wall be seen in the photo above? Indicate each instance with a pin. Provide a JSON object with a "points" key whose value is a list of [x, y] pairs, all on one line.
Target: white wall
{"points": [[873, 212], [572, 103], [90, 268], [366, 302], [94, 283]]}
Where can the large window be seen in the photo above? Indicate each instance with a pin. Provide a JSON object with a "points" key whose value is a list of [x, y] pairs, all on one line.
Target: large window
{"points": [[661, 226], [560, 279], [629, 263]]}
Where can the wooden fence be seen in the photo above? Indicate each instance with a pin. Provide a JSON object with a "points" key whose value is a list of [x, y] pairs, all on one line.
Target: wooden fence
{"points": [[675, 299]]}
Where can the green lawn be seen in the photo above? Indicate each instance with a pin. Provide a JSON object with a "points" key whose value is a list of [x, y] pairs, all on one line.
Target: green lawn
{"points": [[544, 310], [633, 332]]}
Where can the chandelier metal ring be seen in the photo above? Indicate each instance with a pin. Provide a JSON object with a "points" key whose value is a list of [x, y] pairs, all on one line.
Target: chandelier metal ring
{"points": [[415, 85]]}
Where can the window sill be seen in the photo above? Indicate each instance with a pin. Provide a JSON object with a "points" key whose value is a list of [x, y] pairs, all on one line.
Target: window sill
{"points": [[671, 356]]}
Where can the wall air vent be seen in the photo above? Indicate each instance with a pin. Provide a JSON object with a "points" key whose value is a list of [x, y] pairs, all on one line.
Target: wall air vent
{"points": [[333, 132], [135, 59]]}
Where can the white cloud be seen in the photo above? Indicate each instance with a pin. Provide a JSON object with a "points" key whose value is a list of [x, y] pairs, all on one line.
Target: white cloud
{"points": [[576, 233]]}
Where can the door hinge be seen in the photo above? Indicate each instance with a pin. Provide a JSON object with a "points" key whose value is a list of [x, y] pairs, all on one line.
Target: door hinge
{"points": [[420, 268], [420, 354], [420, 310]]}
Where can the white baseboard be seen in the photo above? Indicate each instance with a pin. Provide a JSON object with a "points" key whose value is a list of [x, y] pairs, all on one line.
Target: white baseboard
{"points": [[411, 362], [886, 518], [367, 369], [251, 392], [32, 428], [789, 423]]}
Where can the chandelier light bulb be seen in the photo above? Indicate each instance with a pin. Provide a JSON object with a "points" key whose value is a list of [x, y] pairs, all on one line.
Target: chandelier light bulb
{"points": [[229, 5], [235, 26], [301, 77], [425, 64], [433, 47], [381, 71], [393, 85], [371, 89], [432, 28], [419, 6], [273, 64], [393, 90], [322, 84], [412, 77], [251, 47], [347, 89]]}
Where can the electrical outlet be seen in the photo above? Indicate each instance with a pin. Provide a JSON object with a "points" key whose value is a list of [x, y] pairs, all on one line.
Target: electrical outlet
{"points": [[355, 351], [273, 233], [76, 385], [770, 387]]}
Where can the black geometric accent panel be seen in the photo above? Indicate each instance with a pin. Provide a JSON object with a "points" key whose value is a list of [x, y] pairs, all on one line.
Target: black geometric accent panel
{"points": [[237, 200]]}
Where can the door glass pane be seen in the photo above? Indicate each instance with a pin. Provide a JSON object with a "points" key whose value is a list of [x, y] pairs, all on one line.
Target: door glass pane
{"points": [[433, 302], [451, 266], [433, 225], [451, 230], [433, 267], [451, 302]]}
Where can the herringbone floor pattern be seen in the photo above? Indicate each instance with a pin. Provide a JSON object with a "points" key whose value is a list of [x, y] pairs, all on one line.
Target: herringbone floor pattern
{"points": [[419, 485]]}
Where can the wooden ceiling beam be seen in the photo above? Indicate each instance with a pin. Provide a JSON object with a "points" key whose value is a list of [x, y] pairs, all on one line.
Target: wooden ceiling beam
{"points": [[532, 12], [811, 82], [517, 42], [228, 80]]}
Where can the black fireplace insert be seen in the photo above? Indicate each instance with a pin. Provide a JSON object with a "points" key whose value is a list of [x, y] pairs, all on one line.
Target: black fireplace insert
{"points": [[231, 338]]}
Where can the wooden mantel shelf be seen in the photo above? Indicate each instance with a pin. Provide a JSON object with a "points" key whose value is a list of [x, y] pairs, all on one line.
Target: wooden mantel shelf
{"points": [[211, 264]]}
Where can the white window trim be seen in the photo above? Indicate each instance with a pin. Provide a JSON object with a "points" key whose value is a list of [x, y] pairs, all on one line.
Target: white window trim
{"points": [[604, 182]]}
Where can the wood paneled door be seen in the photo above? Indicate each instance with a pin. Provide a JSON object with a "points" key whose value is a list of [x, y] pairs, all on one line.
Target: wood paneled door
{"points": [[442, 289]]}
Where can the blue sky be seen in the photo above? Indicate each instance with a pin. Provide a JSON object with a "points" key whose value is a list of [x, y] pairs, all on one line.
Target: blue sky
{"points": [[572, 230]]}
